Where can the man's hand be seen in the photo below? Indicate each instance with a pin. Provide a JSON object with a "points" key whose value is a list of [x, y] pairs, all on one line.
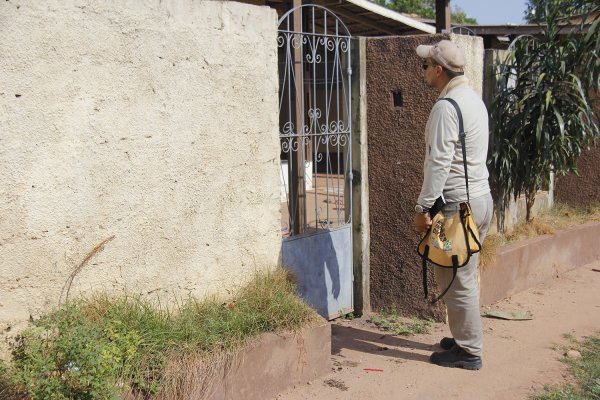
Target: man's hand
{"points": [[422, 222]]}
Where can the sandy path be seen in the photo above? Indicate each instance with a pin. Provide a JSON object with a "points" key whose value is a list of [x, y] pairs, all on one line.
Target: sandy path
{"points": [[519, 356]]}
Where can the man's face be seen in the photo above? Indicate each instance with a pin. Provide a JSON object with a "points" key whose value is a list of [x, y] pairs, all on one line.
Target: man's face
{"points": [[431, 71]]}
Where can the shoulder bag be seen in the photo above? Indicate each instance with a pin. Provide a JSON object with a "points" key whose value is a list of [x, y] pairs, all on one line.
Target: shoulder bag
{"points": [[450, 242]]}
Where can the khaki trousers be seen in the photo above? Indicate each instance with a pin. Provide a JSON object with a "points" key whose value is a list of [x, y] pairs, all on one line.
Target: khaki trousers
{"points": [[462, 299]]}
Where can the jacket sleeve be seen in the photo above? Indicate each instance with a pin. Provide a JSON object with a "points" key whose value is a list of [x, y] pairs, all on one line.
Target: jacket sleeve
{"points": [[441, 139]]}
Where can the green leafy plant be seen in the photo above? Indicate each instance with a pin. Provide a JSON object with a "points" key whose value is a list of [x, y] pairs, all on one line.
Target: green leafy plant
{"points": [[63, 356], [349, 316], [543, 113], [101, 347], [536, 9], [8, 388]]}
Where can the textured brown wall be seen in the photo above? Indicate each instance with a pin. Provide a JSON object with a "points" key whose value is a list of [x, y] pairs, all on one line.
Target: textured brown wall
{"points": [[582, 190], [396, 152]]}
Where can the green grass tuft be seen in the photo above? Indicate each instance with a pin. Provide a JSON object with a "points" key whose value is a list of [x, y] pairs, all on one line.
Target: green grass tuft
{"points": [[392, 322], [585, 372]]}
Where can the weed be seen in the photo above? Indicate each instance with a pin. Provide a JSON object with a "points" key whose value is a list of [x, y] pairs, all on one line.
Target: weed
{"points": [[8, 389], [391, 321], [100, 346], [349, 316], [585, 371]]}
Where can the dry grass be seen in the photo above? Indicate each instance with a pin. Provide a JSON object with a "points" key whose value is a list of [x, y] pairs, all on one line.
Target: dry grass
{"points": [[560, 216], [488, 252], [563, 216], [190, 376]]}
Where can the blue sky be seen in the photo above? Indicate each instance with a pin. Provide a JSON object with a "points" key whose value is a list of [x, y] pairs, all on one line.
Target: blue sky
{"points": [[491, 12]]}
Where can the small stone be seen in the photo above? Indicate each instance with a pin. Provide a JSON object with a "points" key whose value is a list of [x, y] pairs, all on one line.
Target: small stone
{"points": [[573, 354]]}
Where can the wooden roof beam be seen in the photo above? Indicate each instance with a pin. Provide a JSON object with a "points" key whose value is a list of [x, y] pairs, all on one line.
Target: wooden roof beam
{"points": [[442, 16]]}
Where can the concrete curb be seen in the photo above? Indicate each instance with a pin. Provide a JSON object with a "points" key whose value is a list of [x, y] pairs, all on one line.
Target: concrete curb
{"points": [[530, 262], [274, 363]]}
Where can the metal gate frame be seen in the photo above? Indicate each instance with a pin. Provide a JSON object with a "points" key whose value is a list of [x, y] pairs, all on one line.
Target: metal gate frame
{"points": [[316, 146]]}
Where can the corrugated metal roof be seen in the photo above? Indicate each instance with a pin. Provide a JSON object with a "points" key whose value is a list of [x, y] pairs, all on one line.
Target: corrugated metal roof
{"points": [[377, 11], [363, 17]]}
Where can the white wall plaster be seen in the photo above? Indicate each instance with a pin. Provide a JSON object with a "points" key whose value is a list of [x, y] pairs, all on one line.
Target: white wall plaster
{"points": [[153, 121], [473, 47]]}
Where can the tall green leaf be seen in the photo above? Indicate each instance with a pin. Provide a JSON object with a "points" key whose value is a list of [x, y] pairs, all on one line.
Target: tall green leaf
{"points": [[543, 111]]}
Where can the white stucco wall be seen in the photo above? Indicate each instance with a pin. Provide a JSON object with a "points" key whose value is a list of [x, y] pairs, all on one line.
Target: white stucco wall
{"points": [[474, 51], [153, 121]]}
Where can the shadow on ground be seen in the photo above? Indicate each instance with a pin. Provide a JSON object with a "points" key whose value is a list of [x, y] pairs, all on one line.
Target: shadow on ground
{"points": [[346, 337]]}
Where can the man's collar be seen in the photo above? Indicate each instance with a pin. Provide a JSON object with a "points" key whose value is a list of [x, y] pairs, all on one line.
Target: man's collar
{"points": [[453, 83]]}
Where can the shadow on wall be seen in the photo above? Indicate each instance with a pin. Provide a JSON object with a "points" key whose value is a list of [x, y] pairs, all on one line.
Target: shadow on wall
{"points": [[317, 265]]}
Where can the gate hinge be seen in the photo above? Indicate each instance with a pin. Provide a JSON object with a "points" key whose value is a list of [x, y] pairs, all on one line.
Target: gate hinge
{"points": [[355, 177]]}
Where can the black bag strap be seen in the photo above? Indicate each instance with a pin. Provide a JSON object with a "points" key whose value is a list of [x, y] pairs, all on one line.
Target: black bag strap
{"points": [[461, 137], [454, 272], [425, 255]]}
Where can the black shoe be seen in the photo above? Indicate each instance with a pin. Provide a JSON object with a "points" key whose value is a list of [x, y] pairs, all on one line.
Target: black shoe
{"points": [[447, 343], [456, 358]]}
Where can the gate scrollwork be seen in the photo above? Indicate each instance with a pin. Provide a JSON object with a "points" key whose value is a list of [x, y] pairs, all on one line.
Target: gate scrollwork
{"points": [[315, 119]]}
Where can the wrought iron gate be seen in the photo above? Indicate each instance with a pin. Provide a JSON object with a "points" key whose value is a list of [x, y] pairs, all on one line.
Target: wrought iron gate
{"points": [[316, 163]]}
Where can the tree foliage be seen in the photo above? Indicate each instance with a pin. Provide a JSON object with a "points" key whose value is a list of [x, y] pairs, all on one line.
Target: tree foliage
{"points": [[543, 112], [536, 9], [425, 9], [460, 17]]}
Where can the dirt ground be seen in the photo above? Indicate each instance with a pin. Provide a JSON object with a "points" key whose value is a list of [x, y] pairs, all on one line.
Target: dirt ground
{"points": [[520, 357]]}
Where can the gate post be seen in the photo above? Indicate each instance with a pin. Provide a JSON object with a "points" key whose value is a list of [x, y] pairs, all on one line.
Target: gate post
{"points": [[296, 165], [360, 186]]}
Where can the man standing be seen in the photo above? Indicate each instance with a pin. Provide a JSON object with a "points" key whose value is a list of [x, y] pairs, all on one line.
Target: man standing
{"points": [[444, 176]]}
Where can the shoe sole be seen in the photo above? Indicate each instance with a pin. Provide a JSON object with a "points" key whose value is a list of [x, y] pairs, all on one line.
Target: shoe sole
{"points": [[463, 365]]}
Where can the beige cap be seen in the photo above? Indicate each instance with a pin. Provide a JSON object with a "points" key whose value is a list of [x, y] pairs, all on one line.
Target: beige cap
{"points": [[445, 53]]}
